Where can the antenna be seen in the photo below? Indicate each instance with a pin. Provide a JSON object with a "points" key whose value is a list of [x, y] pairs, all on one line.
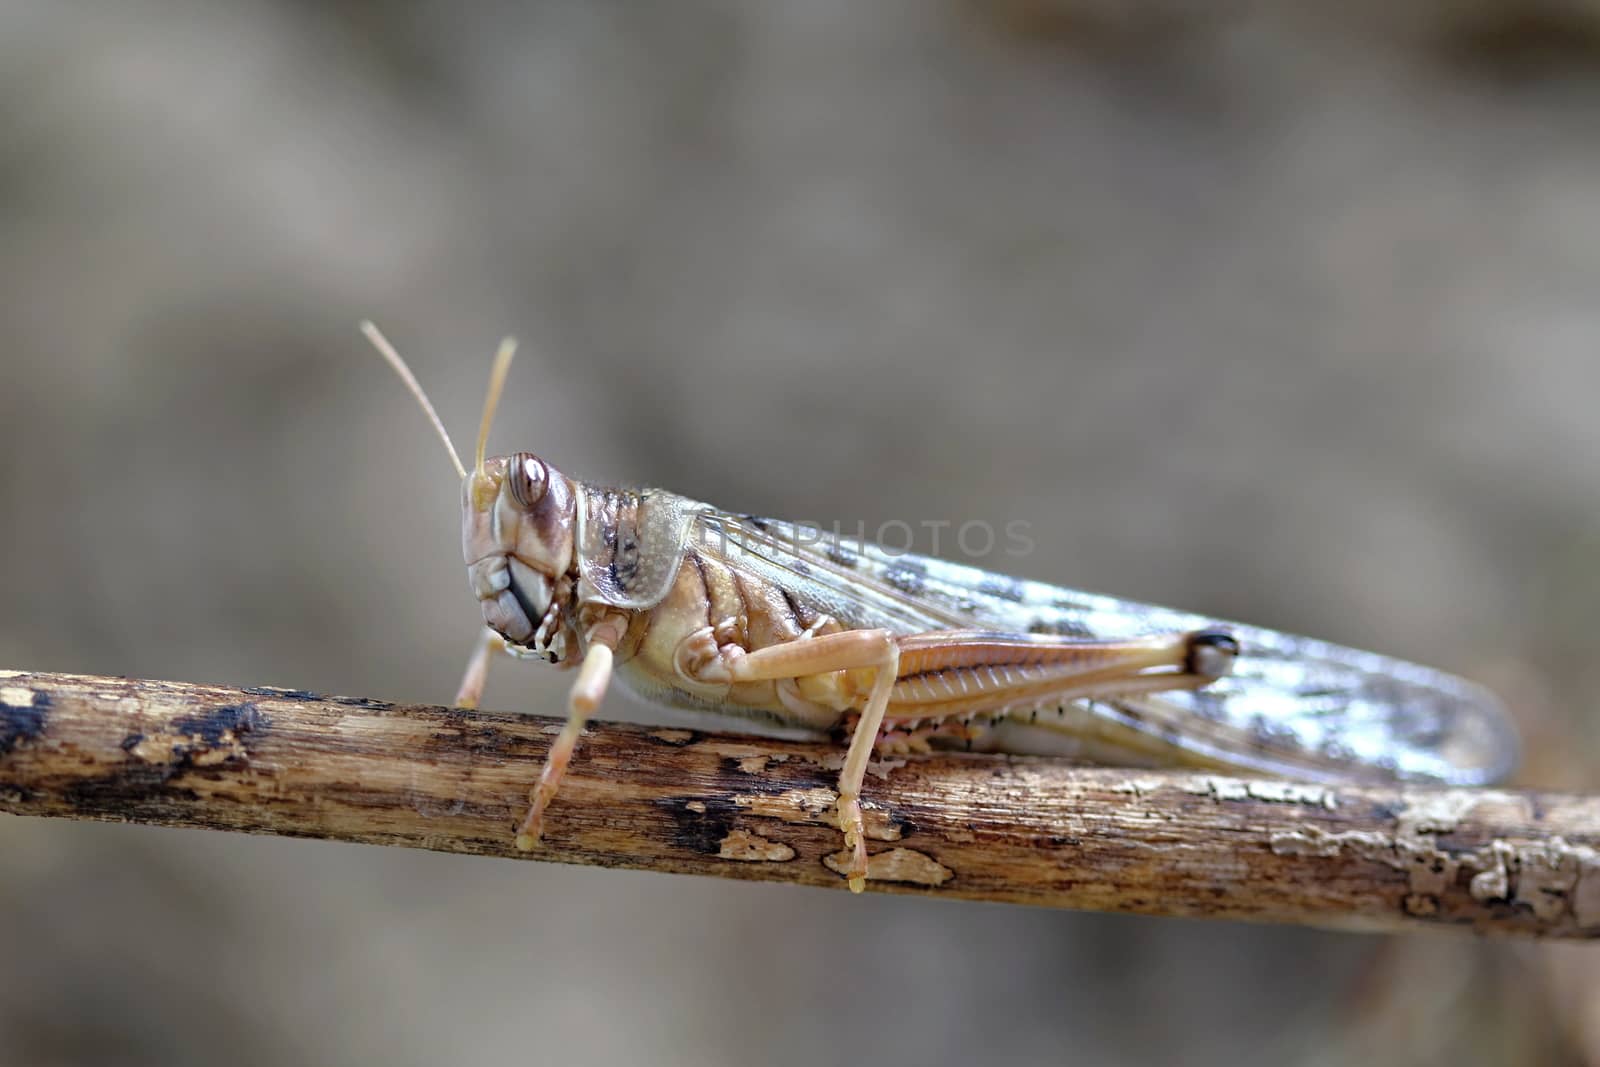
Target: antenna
{"points": [[381, 343], [497, 382]]}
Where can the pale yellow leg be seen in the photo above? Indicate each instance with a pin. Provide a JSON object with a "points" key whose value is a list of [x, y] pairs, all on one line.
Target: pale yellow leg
{"points": [[470, 694], [594, 674], [852, 649], [1102, 667], [855, 765]]}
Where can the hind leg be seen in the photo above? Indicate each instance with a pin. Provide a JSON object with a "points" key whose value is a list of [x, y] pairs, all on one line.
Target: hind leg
{"points": [[852, 649]]}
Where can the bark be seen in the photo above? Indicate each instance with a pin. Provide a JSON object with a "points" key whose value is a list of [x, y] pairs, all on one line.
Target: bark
{"points": [[1019, 830]]}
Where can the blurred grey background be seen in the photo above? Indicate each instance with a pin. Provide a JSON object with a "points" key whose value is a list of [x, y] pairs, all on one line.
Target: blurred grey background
{"points": [[1279, 314]]}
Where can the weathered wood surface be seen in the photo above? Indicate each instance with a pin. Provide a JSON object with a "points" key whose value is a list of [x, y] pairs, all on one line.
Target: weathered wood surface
{"points": [[960, 826]]}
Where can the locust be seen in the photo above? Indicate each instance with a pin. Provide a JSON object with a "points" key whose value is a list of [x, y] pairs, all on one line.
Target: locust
{"points": [[698, 607]]}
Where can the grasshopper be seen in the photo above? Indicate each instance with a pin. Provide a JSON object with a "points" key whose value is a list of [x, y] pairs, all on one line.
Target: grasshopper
{"points": [[703, 608]]}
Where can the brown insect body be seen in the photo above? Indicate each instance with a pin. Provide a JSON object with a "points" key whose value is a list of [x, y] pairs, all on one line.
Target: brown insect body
{"points": [[548, 555], [703, 608]]}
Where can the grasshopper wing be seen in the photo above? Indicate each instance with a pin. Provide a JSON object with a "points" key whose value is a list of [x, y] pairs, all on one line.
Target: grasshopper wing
{"points": [[1292, 706]]}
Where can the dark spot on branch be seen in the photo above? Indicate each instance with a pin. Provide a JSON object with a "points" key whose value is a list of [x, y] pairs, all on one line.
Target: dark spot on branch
{"points": [[675, 738], [300, 696], [467, 731], [361, 702], [213, 726], [698, 831], [1420, 905], [777, 779], [23, 722], [133, 792]]}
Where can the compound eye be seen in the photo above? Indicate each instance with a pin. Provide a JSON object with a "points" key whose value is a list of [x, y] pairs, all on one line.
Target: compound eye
{"points": [[527, 478]]}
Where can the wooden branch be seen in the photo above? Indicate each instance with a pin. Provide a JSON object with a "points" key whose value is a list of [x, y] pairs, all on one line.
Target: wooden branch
{"points": [[961, 826]]}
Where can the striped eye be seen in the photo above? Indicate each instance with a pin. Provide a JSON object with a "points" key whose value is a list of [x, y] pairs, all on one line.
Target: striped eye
{"points": [[527, 478]]}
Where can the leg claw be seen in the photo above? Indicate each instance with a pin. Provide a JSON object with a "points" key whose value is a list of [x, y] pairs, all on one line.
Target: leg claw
{"points": [[855, 839], [858, 867], [532, 828]]}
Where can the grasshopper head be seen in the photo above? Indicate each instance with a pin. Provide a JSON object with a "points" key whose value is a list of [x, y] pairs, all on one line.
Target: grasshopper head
{"points": [[518, 526], [518, 530]]}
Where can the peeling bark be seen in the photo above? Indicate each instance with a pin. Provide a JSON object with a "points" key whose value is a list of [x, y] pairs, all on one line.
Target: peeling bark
{"points": [[960, 826]]}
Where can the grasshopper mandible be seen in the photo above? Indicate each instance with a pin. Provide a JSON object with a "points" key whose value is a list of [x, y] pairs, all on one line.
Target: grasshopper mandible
{"points": [[699, 607]]}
